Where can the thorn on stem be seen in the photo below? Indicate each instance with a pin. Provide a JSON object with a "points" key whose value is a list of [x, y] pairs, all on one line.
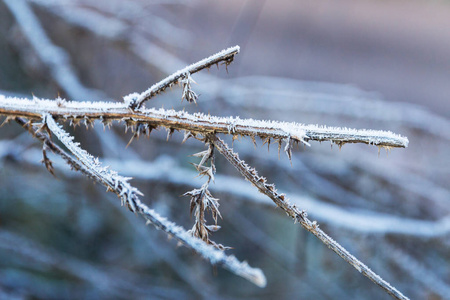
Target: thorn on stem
{"points": [[47, 162]]}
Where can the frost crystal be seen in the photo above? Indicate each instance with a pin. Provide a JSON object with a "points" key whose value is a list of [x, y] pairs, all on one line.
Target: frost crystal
{"points": [[201, 123], [129, 196]]}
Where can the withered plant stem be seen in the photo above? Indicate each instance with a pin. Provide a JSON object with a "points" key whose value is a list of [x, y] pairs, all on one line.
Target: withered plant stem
{"points": [[225, 56], [196, 123], [299, 216]]}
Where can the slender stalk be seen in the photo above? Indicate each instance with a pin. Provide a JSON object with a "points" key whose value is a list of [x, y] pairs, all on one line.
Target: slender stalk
{"points": [[90, 167], [57, 60], [196, 123], [135, 101], [300, 216]]}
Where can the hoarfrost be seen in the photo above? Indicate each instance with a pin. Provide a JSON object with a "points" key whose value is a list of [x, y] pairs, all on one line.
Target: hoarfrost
{"points": [[128, 194], [199, 122]]}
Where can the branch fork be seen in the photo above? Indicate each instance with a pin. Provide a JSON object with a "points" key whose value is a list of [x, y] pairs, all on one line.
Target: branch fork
{"points": [[204, 128]]}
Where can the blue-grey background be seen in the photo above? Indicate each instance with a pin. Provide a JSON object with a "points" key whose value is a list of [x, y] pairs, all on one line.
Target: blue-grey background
{"points": [[363, 64]]}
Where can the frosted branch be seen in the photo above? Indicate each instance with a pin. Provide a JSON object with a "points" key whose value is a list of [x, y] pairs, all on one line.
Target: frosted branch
{"points": [[325, 99], [56, 59], [16, 148], [91, 167], [301, 217], [197, 123], [135, 101], [306, 96]]}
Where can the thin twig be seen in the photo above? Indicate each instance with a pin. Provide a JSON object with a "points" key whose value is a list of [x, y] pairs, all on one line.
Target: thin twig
{"points": [[119, 185], [329, 99], [202, 200], [301, 217], [135, 101], [57, 60], [198, 123], [31, 156], [306, 96]]}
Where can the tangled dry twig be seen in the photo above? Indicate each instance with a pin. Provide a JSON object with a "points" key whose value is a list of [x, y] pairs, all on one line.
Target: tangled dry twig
{"points": [[44, 114]]}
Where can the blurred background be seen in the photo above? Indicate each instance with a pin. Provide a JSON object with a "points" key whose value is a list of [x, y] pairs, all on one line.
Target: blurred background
{"points": [[363, 64]]}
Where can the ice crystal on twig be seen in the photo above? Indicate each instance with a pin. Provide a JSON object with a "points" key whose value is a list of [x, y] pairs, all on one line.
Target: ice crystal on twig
{"points": [[199, 123], [92, 168], [300, 216], [202, 127], [227, 56], [126, 192], [138, 129], [188, 93]]}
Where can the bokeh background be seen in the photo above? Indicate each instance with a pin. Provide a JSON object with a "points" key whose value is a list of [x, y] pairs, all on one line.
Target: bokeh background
{"points": [[363, 64]]}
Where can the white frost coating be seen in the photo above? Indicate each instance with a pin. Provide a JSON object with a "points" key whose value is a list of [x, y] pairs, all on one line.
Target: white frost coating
{"points": [[130, 194], [324, 98], [216, 257], [49, 105], [166, 82], [104, 174], [130, 99], [199, 122]]}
